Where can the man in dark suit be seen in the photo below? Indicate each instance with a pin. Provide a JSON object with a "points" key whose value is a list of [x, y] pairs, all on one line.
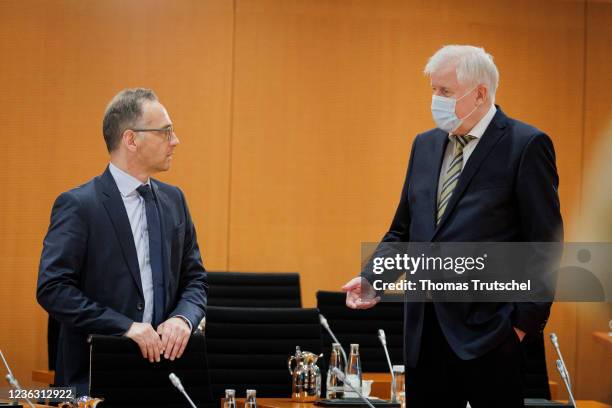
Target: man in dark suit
{"points": [[480, 176], [121, 256]]}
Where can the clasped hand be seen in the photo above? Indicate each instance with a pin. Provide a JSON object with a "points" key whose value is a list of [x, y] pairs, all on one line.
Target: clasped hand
{"points": [[169, 340]]}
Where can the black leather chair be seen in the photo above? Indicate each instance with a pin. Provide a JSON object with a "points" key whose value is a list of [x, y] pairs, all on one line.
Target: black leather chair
{"points": [[249, 347], [121, 376], [254, 289], [361, 326]]}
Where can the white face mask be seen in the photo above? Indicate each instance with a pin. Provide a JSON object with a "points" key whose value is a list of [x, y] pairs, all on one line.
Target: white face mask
{"points": [[443, 112]]}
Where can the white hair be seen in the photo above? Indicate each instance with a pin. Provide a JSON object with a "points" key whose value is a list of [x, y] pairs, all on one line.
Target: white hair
{"points": [[474, 65]]}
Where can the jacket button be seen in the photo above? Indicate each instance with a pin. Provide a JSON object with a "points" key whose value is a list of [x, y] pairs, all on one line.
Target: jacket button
{"points": [[140, 306]]}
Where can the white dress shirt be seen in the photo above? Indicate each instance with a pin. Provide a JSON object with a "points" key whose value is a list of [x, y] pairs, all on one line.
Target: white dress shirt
{"points": [[135, 208], [477, 131]]}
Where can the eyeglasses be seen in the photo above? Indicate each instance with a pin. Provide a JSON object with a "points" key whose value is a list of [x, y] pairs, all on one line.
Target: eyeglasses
{"points": [[168, 131]]}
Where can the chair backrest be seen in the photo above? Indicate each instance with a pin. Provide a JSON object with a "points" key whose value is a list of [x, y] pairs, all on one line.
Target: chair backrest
{"points": [[254, 289], [535, 374], [361, 326], [249, 347], [121, 376]]}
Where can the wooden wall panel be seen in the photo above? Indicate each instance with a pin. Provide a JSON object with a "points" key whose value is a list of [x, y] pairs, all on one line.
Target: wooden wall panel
{"points": [[63, 61], [594, 359], [295, 118], [331, 94]]}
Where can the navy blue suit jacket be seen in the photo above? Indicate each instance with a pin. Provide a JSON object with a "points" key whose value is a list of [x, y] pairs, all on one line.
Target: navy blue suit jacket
{"points": [[89, 278], [506, 192]]}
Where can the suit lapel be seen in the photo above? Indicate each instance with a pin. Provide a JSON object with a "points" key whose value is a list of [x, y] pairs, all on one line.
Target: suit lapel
{"points": [[113, 203], [489, 139]]}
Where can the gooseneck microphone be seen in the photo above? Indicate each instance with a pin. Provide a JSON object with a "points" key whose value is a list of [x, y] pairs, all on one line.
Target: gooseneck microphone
{"points": [[383, 340], [555, 342], [324, 323], [12, 380], [563, 372], [177, 383], [562, 368], [342, 378]]}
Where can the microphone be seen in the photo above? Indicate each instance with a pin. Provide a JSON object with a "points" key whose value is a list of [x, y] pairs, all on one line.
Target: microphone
{"points": [[177, 383], [563, 372], [555, 342], [342, 378], [383, 340], [324, 323], [12, 380]]}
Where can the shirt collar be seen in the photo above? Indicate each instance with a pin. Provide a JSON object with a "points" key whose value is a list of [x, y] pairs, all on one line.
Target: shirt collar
{"points": [[479, 129], [126, 183]]}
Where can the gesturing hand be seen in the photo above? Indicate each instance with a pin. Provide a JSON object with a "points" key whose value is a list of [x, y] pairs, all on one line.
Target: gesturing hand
{"points": [[174, 334], [360, 294], [147, 339]]}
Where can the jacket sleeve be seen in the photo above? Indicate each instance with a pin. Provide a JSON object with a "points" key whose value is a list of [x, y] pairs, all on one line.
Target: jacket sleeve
{"points": [[63, 255], [540, 215], [193, 284]]}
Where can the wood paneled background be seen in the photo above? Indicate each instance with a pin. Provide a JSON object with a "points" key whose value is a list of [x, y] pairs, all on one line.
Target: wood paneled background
{"points": [[295, 118]]}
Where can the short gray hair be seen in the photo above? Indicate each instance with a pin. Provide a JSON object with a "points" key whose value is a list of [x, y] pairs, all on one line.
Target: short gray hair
{"points": [[123, 111], [474, 65]]}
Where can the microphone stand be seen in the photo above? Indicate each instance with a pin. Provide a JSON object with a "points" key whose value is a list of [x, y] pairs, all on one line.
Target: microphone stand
{"points": [[13, 381], [325, 324], [177, 383], [342, 378], [383, 339]]}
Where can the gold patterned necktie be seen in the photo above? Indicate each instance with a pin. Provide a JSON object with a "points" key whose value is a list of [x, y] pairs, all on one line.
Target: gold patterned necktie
{"points": [[451, 177]]}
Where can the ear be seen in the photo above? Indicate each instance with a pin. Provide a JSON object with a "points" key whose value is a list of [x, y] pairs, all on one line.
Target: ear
{"points": [[128, 138], [483, 94]]}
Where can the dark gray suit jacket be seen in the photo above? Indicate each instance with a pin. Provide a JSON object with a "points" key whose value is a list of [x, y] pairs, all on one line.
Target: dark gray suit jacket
{"points": [[89, 278]]}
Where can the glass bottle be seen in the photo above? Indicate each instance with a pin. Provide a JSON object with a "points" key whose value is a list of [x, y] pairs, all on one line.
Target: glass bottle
{"points": [[230, 399], [251, 399], [353, 373], [399, 387], [335, 386]]}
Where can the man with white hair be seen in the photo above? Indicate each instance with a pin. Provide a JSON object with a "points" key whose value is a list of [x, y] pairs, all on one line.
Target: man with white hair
{"points": [[479, 176]]}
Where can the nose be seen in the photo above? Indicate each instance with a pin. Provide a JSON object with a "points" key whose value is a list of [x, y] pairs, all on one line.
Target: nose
{"points": [[175, 140]]}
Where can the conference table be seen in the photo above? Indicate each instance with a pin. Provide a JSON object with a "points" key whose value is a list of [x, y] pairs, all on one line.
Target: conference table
{"points": [[381, 388], [287, 403]]}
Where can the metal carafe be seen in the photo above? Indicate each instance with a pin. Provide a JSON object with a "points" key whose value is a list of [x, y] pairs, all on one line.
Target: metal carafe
{"points": [[306, 376]]}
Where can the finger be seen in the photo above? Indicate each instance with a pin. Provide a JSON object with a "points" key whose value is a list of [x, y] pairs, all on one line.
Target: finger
{"points": [[165, 334], [175, 347], [171, 344], [352, 299], [365, 303], [143, 348], [352, 284], [157, 345], [176, 344], [184, 342], [150, 351], [350, 302]]}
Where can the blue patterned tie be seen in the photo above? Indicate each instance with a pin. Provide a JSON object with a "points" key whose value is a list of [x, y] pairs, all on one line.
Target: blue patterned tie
{"points": [[155, 252]]}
